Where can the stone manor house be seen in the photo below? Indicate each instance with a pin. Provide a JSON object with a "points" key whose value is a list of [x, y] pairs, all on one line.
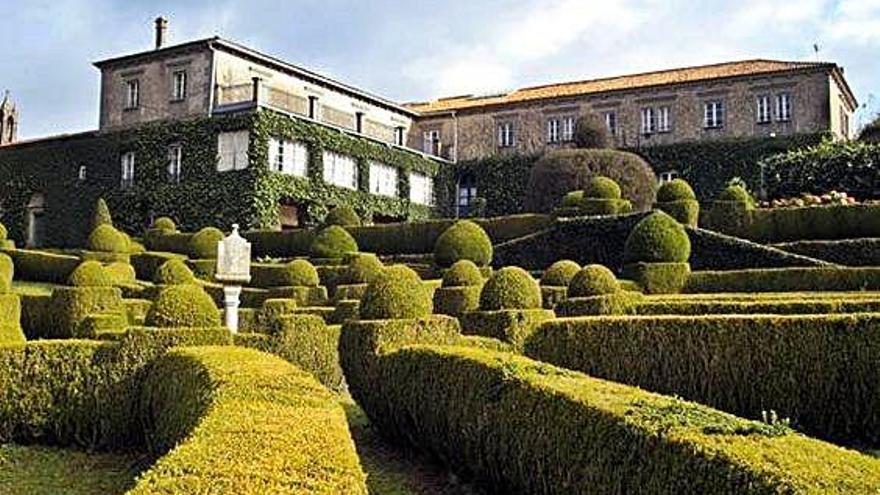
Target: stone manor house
{"points": [[213, 132]]}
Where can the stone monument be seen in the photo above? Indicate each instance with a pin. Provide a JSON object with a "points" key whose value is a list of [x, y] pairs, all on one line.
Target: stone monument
{"points": [[233, 269]]}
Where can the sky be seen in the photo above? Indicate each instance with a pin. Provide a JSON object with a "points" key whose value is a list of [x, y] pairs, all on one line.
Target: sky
{"points": [[417, 50]]}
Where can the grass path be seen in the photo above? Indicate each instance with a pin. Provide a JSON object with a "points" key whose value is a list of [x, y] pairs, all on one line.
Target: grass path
{"points": [[39, 470], [394, 470]]}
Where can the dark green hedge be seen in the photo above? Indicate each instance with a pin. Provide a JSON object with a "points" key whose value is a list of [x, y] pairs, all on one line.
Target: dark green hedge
{"points": [[715, 251], [70, 306], [501, 180], [829, 305], [850, 252], [785, 280], [519, 426], [819, 371], [41, 266], [83, 393], [827, 222], [240, 421]]}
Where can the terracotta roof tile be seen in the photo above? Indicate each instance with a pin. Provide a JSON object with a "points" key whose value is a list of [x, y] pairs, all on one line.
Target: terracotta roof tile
{"points": [[634, 81]]}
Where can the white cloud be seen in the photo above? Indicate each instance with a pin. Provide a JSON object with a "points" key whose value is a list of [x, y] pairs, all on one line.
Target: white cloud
{"points": [[855, 21]]}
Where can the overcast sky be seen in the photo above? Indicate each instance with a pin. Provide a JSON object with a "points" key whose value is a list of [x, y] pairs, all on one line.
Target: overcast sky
{"points": [[414, 50]]}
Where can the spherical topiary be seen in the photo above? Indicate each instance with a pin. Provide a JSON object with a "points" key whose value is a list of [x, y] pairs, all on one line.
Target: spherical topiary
{"points": [[657, 238], [397, 293], [4, 234], [121, 272], [107, 239], [601, 187], [462, 273], [332, 242], [559, 274], [561, 171], [203, 244], [7, 270], [593, 280], [572, 199], [165, 224], [510, 288], [363, 269], [183, 306], [464, 240], [675, 190], [301, 273], [174, 272], [89, 274], [344, 216], [735, 193]]}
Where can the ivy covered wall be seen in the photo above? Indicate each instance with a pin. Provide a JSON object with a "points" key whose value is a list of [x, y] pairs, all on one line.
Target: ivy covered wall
{"points": [[202, 196]]}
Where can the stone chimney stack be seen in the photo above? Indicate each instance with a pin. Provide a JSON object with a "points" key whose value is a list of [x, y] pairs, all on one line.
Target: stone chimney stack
{"points": [[161, 31]]}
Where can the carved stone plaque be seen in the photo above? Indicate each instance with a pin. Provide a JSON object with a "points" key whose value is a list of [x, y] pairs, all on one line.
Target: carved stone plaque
{"points": [[233, 258]]}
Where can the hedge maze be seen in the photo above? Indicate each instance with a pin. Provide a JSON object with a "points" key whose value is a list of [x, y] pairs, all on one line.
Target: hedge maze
{"points": [[613, 345]]}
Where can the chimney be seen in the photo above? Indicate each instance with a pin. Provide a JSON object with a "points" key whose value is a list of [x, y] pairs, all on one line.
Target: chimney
{"points": [[161, 30]]}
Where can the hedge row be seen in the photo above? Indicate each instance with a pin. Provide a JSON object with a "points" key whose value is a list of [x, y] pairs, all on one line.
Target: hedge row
{"points": [[83, 393], [818, 370], [715, 251], [10, 320], [850, 252], [42, 266], [769, 306], [521, 426], [147, 264], [240, 421], [826, 222], [785, 280]]}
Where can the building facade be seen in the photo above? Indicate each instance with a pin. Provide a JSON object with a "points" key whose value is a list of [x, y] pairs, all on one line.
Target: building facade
{"points": [[756, 98]]}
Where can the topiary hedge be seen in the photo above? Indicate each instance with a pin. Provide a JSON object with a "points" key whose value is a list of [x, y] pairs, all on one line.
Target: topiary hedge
{"points": [[463, 273], [677, 199], [343, 216], [185, 305], [658, 238], [593, 280], [203, 244], [121, 273], [10, 321], [510, 288], [106, 239], [464, 240], [101, 214], [332, 242], [398, 293], [809, 279], [7, 272], [560, 273], [580, 435], [817, 370], [174, 272], [90, 274], [363, 269], [601, 187], [675, 190]]}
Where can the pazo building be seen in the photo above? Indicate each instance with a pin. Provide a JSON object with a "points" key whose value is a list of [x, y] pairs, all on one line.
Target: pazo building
{"points": [[753, 98]]}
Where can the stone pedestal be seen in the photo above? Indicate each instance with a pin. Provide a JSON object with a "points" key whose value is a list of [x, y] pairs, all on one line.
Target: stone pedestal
{"points": [[231, 302]]}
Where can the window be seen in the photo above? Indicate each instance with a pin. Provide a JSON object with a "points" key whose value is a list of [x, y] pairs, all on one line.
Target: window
{"points": [[668, 176], [82, 172], [506, 135], [132, 94], [844, 122], [175, 160], [763, 109], [783, 107], [399, 133], [430, 140], [611, 122], [467, 193], [553, 130], [288, 157], [359, 122], [127, 179], [179, 85], [648, 122], [313, 107], [421, 189], [567, 128], [383, 179], [232, 150], [713, 112], [340, 170]]}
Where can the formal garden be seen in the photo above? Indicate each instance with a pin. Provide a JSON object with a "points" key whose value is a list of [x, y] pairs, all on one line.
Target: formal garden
{"points": [[624, 337]]}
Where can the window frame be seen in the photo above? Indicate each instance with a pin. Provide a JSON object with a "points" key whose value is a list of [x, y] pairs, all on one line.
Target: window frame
{"points": [[127, 175], [179, 83], [648, 121], [382, 184], [240, 157], [428, 140], [553, 130], [506, 135], [568, 124], [340, 178], [427, 198], [132, 94], [175, 163], [783, 107], [610, 117], [764, 114], [664, 119], [717, 114]]}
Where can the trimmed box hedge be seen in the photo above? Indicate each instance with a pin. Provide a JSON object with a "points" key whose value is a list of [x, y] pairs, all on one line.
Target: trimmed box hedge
{"points": [[619, 303], [147, 264], [456, 301], [818, 370], [512, 326], [41, 266], [773, 225], [766, 306], [10, 320], [850, 252], [785, 279], [521, 426], [240, 421], [70, 306], [658, 278]]}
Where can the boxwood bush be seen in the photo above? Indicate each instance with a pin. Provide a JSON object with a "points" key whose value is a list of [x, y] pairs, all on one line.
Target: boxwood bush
{"points": [[593, 280], [90, 274], [560, 273], [185, 305], [7, 272], [106, 239], [343, 216], [463, 273], [363, 269], [658, 238], [332, 242], [203, 244], [465, 240], [677, 199], [398, 293], [174, 272], [10, 320], [510, 288]]}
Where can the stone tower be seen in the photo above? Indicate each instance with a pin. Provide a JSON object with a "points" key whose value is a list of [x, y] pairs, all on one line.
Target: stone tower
{"points": [[8, 120]]}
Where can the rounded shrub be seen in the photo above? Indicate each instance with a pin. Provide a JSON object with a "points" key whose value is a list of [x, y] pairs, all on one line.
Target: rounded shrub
{"points": [[90, 274], [7, 270], [121, 272], [590, 131], [675, 190], [593, 280], [735, 193], [510, 288], [363, 269], [4, 234], [332, 242], [657, 238], [397, 294], [561, 171], [572, 199], [174, 272], [462, 273], [101, 215], [203, 244], [559, 274], [164, 224], [343, 216], [601, 187], [183, 306], [301, 273], [105, 238], [464, 240]]}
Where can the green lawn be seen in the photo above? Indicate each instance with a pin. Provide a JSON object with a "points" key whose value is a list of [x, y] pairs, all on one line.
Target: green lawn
{"points": [[395, 470], [38, 470]]}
